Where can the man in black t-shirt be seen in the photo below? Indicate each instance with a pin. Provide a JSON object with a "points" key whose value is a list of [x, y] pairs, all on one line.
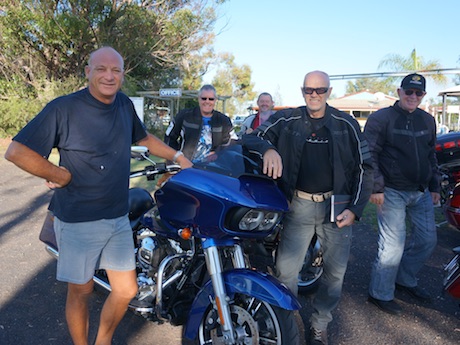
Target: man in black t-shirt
{"points": [[93, 129]]}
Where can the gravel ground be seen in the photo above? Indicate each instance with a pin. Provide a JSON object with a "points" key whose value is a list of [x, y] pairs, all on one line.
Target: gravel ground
{"points": [[32, 301]]}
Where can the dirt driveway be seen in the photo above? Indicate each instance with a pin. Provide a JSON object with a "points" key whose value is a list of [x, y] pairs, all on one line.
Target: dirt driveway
{"points": [[32, 301]]}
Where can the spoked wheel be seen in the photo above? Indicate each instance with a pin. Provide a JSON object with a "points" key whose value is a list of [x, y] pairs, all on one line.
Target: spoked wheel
{"points": [[255, 322], [312, 268]]}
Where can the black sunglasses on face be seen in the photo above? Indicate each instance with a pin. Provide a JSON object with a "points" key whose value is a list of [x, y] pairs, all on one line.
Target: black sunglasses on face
{"points": [[318, 90], [206, 98], [418, 93]]}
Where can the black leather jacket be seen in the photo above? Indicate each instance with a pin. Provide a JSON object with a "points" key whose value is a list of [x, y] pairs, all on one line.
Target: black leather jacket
{"points": [[403, 149], [286, 130]]}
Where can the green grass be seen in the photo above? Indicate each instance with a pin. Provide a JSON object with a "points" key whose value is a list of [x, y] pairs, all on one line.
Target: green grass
{"points": [[142, 182]]}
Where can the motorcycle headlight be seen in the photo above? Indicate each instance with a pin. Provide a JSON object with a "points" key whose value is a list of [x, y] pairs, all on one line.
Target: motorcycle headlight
{"points": [[253, 220], [258, 220]]}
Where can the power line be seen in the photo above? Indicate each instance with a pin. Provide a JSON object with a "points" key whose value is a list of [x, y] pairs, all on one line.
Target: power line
{"points": [[394, 74]]}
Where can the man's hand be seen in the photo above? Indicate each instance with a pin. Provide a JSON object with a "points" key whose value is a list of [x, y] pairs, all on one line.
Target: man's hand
{"points": [[273, 164], [377, 198], [184, 162], [436, 197], [346, 218], [65, 176]]}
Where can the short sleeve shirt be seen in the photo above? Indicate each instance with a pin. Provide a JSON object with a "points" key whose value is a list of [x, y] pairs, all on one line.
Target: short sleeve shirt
{"points": [[94, 142]]}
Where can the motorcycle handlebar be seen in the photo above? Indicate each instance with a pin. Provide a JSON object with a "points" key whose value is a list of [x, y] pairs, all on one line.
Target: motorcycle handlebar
{"points": [[141, 153], [151, 171]]}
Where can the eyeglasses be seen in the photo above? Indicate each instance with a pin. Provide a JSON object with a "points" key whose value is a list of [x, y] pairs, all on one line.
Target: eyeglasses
{"points": [[206, 98], [418, 93], [318, 90]]}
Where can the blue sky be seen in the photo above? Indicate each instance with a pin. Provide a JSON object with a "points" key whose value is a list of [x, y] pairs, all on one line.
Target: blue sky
{"points": [[283, 40]]}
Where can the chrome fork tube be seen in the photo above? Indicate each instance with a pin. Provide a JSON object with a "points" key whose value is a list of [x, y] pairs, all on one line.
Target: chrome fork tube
{"points": [[214, 265], [238, 257]]}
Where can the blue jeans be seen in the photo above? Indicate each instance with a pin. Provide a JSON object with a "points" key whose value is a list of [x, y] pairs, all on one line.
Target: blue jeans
{"points": [[304, 220], [398, 262]]}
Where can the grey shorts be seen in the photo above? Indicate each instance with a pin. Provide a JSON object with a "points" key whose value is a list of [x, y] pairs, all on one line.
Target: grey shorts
{"points": [[87, 246]]}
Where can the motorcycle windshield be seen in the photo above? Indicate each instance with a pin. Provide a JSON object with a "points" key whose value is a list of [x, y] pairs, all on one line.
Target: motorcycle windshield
{"points": [[233, 160]]}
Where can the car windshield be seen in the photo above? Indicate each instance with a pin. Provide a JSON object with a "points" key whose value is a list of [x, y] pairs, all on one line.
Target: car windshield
{"points": [[233, 160]]}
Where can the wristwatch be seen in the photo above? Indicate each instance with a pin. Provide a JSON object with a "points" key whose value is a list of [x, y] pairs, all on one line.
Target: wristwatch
{"points": [[177, 155]]}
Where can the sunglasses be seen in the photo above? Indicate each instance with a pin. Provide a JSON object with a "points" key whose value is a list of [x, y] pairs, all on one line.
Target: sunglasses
{"points": [[318, 90], [206, 98], [418, 93]]}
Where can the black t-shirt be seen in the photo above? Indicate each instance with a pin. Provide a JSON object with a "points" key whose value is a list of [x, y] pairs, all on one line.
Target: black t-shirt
{"points": [[94, 142], [315, 174]]}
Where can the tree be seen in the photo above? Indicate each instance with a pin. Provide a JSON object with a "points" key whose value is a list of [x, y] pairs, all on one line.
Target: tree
{"points": [[47, 42], [372, 85], [457, 77], [233, 80], [413, 63], [396, 63]]}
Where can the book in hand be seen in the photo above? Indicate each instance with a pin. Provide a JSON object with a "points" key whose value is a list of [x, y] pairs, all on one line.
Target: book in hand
{"points": [[338, 204]]}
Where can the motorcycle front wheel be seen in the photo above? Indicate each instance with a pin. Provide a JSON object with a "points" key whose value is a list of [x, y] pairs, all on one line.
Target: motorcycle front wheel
{"points": [[255, 322], [312, 268]]}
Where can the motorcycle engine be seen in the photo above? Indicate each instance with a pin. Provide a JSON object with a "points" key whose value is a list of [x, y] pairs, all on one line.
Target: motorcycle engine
{"points": [[149, 253], [146, 252]]}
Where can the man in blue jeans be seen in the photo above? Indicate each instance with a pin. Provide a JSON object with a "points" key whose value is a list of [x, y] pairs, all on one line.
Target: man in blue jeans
{"points": [[402, 142]]}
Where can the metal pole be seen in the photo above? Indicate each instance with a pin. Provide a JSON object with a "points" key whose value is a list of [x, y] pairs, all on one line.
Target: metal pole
{"points": [[444, 109]]}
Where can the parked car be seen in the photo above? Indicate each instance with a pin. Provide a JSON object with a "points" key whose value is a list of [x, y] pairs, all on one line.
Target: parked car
{"points": [[239, 119]]}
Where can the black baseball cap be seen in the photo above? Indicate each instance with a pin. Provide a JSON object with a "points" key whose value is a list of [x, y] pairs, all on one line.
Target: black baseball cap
{"points": [[413, 81]]}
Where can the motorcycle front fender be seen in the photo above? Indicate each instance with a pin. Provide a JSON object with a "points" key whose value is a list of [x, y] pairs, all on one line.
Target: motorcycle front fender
{"points": [[243, 281]]}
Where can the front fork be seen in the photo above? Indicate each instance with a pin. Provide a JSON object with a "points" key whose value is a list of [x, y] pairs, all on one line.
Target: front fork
{"points": [[214, 264]]}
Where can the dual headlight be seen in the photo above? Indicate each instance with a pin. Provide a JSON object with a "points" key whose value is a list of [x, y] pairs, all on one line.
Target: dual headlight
{"points": [[246, 219]]}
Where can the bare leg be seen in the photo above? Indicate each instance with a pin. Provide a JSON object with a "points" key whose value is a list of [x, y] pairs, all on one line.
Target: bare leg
{"points": [[124, 289], [76, 311]]}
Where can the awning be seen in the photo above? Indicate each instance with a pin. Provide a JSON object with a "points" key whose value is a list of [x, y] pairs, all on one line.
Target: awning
{"points": [[450, 92]]}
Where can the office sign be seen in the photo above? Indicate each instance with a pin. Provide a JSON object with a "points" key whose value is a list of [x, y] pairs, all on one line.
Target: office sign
{"points": [[170, 92]]}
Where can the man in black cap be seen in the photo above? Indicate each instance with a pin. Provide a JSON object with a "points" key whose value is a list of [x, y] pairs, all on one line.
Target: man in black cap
{"points": [[402, 142]]}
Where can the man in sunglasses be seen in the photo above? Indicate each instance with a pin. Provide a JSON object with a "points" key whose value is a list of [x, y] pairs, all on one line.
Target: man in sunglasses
{"points": [[198, 131], [318, 154], [402, 142]]}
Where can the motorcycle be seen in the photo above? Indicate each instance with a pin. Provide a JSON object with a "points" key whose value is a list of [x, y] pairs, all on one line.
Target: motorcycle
{"points": [[191, 266], [448, 156], [452, 275]]}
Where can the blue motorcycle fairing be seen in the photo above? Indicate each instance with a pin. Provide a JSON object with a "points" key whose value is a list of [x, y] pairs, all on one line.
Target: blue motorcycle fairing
{"points": [[244, 281], [212, 242], [196, 196]]}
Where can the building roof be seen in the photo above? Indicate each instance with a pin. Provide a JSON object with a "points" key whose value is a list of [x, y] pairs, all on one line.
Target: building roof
{"points": [[362, 101], [453, 91]]}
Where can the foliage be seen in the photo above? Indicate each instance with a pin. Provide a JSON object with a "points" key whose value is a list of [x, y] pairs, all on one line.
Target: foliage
{"points": [[47, 42], [16, 111], [397, 63], [234, 80], [457, 77], [372, 85], [413, 63]]}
